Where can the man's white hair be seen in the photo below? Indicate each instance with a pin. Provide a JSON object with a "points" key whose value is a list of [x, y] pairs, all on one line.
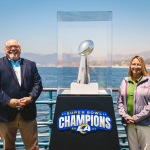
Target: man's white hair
{"points": [[10, 40]]}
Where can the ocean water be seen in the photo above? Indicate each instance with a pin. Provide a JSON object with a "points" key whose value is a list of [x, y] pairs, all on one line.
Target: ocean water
{"points": [[49, 80]]}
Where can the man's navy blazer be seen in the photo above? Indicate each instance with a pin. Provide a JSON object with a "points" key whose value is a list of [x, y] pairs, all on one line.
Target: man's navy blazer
{"points": [[9, 88]]}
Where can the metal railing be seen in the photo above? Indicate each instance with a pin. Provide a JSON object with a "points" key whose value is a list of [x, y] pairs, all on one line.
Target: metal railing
{"points": [[50, 102]]}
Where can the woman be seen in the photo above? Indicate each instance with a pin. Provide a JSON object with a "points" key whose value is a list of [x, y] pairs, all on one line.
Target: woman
{"points": [[134, 104]]}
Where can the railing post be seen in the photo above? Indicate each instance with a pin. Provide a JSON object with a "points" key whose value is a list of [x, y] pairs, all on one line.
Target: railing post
{"points": [[50, 112]]}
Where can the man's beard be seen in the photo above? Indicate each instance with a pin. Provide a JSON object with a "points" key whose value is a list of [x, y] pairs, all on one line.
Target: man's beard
{"points": [[13, 54]]}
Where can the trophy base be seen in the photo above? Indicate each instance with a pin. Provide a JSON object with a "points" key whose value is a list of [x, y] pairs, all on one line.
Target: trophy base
{"points": [[91, 88], [84, 89], [100, 92]]}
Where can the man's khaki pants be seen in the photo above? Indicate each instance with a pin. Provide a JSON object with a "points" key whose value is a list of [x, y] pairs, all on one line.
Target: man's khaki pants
{"points": [[28, 130]]}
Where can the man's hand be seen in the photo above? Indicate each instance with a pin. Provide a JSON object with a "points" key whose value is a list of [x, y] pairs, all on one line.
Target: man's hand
{"points": [[14, 103], [25, 101], [130, 120]]}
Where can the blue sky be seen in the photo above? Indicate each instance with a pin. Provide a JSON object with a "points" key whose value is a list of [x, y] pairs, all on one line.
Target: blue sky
{"points": [[34, 23]]}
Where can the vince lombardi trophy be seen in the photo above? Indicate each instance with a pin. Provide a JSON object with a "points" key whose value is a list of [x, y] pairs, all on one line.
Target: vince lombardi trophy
{"points": [[85, 48]]}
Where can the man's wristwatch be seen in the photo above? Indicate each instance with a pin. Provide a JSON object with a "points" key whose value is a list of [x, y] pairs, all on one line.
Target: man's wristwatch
{"points": [[31, 98]]}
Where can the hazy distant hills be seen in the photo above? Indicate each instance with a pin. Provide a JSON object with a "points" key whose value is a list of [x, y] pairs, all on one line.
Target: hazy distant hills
{"points": [[41, 60], [145, 55], [51, 59]]}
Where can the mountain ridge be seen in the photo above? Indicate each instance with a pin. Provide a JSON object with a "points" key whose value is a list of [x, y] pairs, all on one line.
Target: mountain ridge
{"points": [[51, 59]]}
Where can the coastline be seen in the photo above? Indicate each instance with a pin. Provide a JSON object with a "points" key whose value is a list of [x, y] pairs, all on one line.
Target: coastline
{"points": [[120, 66], [148, 67], [90, 66]]}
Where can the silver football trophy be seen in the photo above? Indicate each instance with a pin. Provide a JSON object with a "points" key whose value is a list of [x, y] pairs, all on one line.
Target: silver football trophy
{"points": [[85, 48]]}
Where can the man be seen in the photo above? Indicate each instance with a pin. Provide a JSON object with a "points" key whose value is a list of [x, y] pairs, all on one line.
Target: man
{"points": [[20, 86]]}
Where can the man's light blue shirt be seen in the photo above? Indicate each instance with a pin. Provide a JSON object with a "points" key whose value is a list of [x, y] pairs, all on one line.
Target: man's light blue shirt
{"points": [[17, 68]]}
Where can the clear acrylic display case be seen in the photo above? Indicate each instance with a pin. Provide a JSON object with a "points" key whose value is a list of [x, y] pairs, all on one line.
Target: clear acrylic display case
{"points": [[72, 29]]}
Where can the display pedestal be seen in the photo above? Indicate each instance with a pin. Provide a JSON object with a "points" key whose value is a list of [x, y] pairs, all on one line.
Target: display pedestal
{"points": [[95, 138]]}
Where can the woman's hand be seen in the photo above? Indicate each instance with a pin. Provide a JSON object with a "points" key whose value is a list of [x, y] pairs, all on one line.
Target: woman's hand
{"points": [[130, 120]]}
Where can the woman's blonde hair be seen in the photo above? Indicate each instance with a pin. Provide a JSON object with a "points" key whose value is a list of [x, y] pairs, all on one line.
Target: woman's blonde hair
{"points": [[143, 66]]}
